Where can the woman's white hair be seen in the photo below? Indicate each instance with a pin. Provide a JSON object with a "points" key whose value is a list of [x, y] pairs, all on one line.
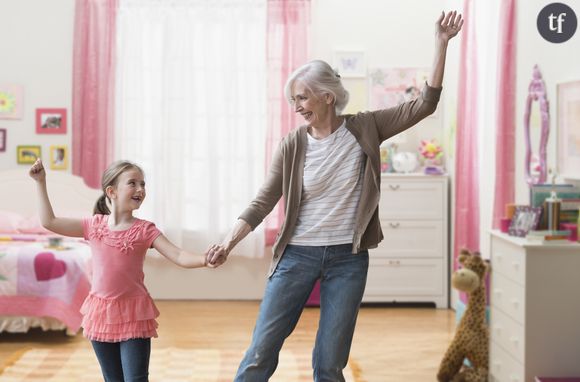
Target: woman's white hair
{"points": [[320, 78]]}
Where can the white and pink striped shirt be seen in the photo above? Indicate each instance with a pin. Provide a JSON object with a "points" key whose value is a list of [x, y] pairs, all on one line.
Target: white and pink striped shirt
{"points": [[331, 190]]}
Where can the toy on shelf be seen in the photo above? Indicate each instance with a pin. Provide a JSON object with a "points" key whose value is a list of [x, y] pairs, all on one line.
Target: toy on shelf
{"points": [[432, 154], [387, 152]]}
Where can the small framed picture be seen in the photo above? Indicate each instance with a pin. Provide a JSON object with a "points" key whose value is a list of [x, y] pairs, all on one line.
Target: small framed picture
{"points": [[350, 63], [27, 154], [525, 219], [568, 129], [51, 121], [58, 157], [2, 140], [11, 101]]}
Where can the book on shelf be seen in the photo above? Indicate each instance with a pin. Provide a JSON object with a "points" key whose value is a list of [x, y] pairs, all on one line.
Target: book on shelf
{"points": [[540, 192], [548, 236]]}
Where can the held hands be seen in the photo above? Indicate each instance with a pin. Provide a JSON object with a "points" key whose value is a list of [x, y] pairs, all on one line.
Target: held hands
{"points": [[448, 25], [37, 171], [215, 256]]}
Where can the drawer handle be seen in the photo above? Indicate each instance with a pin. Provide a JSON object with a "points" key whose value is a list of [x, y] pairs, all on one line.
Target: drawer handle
{"points": [[516, 265], [514, 340], [515, 303], [515, 378], [394, 225], [498, 329], [394, 262], [497, 292], [394, 187]]}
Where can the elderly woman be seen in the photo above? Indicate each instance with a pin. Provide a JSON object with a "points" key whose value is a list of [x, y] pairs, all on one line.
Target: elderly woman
{"points": [[328, 172]]}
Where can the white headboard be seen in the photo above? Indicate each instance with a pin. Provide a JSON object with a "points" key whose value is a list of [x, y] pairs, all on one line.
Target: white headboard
{"points": [[68, 193]]}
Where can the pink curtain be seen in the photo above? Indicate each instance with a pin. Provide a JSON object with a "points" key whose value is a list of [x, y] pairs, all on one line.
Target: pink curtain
{"points": [[466, 163], [93, 88], [287, 49], [505, 140]]}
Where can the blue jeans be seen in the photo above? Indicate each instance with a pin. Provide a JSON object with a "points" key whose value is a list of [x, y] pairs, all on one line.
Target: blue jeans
{"points": [[126, 361], [342, 282]]}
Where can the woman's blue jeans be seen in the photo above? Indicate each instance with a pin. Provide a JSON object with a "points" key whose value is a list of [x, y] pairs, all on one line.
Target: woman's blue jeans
{"points": [[125, 361], [342, 282]]}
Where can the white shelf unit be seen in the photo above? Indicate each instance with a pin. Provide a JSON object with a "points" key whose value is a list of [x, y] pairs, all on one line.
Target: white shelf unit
{"points": [[535, 309], [411, 263]]}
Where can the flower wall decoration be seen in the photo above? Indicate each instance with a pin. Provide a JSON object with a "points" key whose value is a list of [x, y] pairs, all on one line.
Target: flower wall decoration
{"points": [[11, 101]]}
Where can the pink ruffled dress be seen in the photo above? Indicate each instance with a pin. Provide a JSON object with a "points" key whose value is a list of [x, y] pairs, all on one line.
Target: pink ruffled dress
{"points": [[118, 307]]}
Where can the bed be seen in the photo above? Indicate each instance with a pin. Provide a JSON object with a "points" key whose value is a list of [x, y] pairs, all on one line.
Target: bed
{"points": [[43, 282]]}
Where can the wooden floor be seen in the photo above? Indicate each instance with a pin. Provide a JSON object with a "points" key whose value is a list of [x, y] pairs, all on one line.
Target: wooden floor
{"points": [[391, 344]]}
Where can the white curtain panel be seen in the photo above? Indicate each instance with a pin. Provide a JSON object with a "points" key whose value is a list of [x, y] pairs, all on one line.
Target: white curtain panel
{"points": [[191, 110]]}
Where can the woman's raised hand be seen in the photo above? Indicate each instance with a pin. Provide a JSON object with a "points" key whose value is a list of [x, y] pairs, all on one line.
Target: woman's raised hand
{"points": [[448, 25], [37, 171]]}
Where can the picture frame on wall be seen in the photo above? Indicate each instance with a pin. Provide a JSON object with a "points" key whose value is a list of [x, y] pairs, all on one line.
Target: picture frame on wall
{"points": [[350, 63], [51, 121], [3, 133], [11, 99], [26, 154], [58, 157], [569, 129]]}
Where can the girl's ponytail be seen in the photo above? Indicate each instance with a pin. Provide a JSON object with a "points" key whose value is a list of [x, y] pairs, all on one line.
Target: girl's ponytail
{"points": [[101, 206]]}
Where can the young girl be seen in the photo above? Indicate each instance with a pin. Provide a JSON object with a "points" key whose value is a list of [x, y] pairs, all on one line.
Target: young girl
{"points": [[118, 315]]}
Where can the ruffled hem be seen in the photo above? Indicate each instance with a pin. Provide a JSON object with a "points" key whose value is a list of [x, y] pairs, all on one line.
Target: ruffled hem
{"points": [[94, 327], [103, 311], [105, 337]]}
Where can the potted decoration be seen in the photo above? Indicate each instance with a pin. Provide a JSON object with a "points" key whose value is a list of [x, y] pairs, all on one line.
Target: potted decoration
{"points": [[432, 154]]}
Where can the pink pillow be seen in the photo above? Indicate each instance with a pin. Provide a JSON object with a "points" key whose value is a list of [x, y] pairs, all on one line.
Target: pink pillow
{"points": [[32, 224], [9, 222]]}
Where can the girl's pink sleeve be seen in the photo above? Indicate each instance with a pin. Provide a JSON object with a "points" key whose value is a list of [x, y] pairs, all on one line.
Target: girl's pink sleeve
{"points": [[87, 223], [150, 233]]}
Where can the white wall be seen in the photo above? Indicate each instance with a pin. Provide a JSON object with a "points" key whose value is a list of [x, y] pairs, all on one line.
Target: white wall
{"points": [[557, 62], [36, 52], [392, 33]]}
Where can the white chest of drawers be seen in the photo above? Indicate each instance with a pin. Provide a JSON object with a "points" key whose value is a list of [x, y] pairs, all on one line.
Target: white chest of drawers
{"points": [[535, 309], [411, 263]]}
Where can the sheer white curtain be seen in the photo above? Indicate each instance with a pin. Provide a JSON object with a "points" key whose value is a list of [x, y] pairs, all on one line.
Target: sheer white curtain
{"points": [[191, 109]]}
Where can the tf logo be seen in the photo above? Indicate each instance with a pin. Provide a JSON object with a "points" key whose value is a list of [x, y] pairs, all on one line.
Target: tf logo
{"points": [[557, 22]]}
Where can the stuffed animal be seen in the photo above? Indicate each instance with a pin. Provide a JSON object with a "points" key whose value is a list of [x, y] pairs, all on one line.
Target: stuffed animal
{"points": [[471, 340]]}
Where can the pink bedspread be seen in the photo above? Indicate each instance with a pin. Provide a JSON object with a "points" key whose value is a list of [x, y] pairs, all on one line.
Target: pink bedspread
{"points": [[38, 281]]}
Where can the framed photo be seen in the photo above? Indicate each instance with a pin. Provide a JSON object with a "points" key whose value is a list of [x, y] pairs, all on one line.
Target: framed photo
{"points": [[390, 87], [525, 219], [58, 157], [350, 63], [2, 140], [11, 101], [27, 154], [51, 121], [569, 130]]}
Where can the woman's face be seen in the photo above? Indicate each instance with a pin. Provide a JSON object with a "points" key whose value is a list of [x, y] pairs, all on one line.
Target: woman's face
{"points": [[313, 108]]}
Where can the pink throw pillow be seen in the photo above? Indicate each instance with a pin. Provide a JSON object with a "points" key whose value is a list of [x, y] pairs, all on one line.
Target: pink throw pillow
{"points": [[32, 225], [9, 222]]}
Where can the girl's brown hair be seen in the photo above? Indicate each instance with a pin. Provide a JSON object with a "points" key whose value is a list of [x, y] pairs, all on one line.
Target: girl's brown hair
{"points": [[110, 178]]}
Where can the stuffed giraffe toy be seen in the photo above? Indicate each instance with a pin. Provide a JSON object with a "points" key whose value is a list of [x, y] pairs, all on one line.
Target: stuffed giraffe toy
{"points": [[471, 340]]}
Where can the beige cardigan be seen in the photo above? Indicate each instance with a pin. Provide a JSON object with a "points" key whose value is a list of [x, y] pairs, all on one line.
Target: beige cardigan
{"points": [[285, 176]]}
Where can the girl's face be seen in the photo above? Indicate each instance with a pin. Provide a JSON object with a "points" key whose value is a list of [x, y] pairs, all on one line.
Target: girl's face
{"points": [[313, 108], [129, 192]]}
